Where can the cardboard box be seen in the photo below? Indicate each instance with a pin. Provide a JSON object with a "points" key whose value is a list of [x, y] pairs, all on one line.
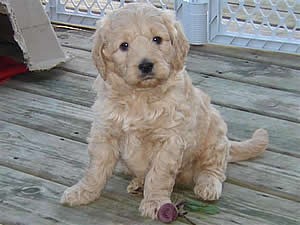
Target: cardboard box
{"points": [[26, 29]]}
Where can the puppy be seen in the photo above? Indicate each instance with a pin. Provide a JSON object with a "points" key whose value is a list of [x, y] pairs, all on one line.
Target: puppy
{"points": [[149, 116]]}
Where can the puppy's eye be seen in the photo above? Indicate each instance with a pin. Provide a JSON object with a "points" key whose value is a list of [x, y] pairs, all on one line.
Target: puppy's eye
{"points": [[124, 46], [157, 40]]}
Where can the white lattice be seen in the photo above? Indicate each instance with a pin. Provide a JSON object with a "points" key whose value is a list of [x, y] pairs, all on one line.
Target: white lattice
{"points": [[275, 19], [86, 12], [263, 24], [99, 7], [89, 7]]}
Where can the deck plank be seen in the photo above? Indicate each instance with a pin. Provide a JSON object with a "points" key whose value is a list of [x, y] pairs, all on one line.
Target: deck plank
{"points": [[14, 215], [22, 192], [45, 118], [53, 84], [46, 114], [237, 204], [250, 98], [234, 94], [83, 40], [74, 122], [261, 74]]}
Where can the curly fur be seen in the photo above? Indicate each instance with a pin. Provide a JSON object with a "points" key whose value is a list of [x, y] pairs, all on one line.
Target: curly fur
{"points": [[162, 129]]}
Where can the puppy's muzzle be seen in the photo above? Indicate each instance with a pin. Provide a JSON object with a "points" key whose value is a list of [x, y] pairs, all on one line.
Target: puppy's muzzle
{"points": [[146, 68]]}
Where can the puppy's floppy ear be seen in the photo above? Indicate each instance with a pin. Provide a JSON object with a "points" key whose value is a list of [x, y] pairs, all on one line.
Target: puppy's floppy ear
{"points": [[97, 50], [178, 40]]}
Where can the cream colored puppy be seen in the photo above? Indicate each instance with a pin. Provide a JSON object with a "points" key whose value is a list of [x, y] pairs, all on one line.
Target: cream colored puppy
{"points": [[149, 116]]}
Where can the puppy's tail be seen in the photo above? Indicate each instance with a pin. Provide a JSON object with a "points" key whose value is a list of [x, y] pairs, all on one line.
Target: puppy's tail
{"points": [[250, 148]]}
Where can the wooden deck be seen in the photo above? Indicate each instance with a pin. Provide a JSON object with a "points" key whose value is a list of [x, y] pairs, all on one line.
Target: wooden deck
{"points": [[45, 118]]}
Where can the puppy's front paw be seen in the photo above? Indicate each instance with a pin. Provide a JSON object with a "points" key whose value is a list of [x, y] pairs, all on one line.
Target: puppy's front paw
{"points": [[77, 195], [150, 208], [208, 188]]}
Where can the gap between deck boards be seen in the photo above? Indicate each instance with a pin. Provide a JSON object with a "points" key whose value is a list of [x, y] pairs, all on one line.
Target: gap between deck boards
{"points": [[234, 196], [41, 122], [82, 39], [232, 180], [44, 203], [259, 106], [197, 62], [78, 91]]}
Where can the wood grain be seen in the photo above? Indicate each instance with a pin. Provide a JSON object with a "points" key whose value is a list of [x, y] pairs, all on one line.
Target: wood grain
{"points": [[83, 40], [261, 74], [65, 153], [63, 168], [46, 114], [283, 134], [45, 118], [77, 124], [257, 73], [22, 192], [230, 93]]}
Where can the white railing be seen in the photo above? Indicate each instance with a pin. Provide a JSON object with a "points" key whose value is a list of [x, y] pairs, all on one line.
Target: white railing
{"points": [[261, 24], [87, 12]]}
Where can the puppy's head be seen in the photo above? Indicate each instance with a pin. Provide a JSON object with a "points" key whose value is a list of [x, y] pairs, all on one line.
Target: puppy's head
{"points": [[140, 44]]}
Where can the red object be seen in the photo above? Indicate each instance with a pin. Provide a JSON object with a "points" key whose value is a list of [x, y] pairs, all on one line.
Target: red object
{"points": [[167, 213], [9, 67]]}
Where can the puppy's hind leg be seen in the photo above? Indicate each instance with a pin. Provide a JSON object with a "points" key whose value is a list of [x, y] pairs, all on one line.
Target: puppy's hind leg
{"points": [[209, 171]]}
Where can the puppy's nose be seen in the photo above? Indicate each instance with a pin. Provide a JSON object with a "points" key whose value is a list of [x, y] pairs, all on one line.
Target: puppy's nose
{"points": [[146, 66]]}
